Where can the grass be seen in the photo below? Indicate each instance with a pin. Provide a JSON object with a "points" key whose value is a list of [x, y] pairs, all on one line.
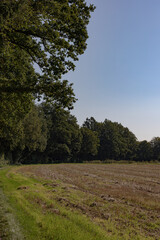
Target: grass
{"points": [[56, 202], [9, 227], [41, 217], [4, 226]]}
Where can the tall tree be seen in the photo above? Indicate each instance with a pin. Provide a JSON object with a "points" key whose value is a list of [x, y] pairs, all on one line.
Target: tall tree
{"points": [[90, 144], [116, 141], [64, 140], [155, 144], [33, 138], [92, 124], [109, 148], [144, 151], [50, 33]]}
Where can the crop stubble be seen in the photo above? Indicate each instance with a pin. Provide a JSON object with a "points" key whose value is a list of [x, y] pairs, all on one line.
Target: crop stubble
{"points": [[126, 195]]}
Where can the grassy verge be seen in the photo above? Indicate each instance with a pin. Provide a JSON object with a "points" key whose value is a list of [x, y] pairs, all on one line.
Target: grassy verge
{"points": [[4, 226], [9, 227], [40, 216]]}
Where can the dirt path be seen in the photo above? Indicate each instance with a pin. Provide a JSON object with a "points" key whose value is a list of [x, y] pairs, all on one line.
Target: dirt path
{"points": [[9, 228]]}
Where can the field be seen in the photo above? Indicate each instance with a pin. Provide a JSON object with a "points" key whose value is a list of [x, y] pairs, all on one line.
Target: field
{"points": [[85, 201]]}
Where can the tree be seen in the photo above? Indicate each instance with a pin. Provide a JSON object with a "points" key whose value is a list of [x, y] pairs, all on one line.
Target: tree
{"points": [[127, 143], [92, 124], [144, 151], [116, 141], [155, 144], [109, 148], [90, 144], [15, 71], [50, 33], [33, 138], [35, 130], [64, 140], [13, 109]]}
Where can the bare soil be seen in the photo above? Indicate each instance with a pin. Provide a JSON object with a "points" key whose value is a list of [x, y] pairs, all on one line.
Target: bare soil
{"points": [[125, 195]]}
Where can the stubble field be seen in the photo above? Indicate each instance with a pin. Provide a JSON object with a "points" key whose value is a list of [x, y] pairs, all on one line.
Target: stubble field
{"points": [[118, 201]]}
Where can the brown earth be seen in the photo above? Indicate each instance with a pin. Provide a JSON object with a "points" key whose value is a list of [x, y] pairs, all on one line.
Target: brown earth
{"points": [[125, 195]]}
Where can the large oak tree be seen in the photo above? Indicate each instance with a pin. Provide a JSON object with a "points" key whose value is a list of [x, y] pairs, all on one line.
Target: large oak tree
{"points": [[48, 33]]}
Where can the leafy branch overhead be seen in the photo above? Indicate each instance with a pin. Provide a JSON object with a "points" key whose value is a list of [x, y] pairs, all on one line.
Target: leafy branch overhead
{"points": [[50, 33]]}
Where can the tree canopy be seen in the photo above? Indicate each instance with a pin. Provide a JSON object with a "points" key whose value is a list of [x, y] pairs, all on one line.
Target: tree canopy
{"points": [[49, 33], [89, 145], [64, 139]]}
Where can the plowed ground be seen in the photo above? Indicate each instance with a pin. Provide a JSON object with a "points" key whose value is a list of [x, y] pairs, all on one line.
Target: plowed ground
{"points": [[122, 198]]}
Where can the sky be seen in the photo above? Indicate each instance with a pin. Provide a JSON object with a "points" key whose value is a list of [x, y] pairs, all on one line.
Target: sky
{"points": [[118, 76]]}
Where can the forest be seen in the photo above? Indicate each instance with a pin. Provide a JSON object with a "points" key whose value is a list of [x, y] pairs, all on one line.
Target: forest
{"points": [[36, 125], [49, 134]]}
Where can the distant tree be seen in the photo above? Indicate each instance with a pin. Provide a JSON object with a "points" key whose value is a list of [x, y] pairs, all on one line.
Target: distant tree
{"points": [[107, 141], [34, 136], [127, 143], [155, 144], [116, 141], [90, 144], [144, 151], [64, 139], [91, 124], [35, 130]]}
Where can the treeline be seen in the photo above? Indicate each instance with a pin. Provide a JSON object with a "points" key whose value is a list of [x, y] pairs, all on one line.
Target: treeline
{"points": [[51, 135]]}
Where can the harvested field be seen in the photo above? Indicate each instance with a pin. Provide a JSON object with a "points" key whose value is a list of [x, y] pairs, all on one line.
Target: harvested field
{"points": [[124, 199]]}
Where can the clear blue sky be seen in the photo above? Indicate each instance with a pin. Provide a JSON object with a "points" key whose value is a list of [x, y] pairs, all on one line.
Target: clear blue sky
{"points": [[118, 77]]}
